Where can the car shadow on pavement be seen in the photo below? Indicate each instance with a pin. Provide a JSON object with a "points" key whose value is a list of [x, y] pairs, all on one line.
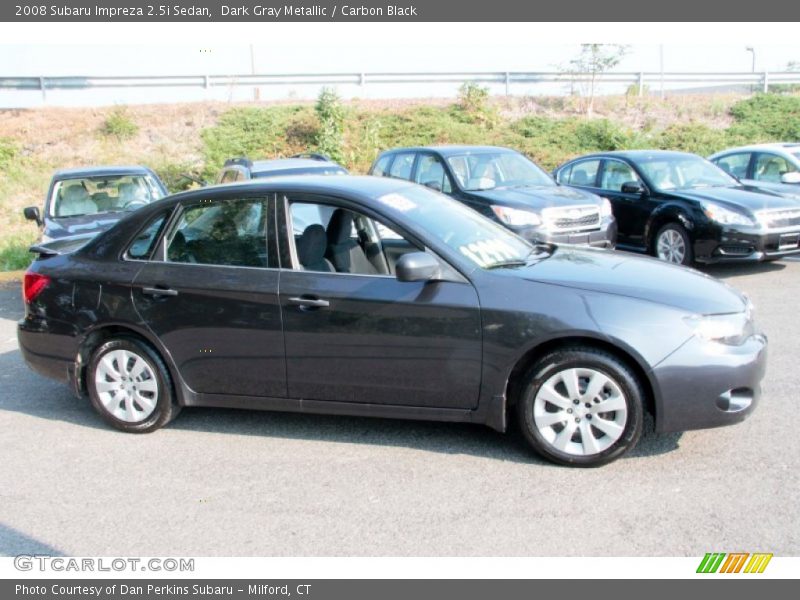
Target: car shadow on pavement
{"points": [[31, 394], [730, 270], [15, 543]]}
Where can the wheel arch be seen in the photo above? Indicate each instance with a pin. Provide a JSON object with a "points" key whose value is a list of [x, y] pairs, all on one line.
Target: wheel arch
{"points": [[515, 380], [669, 213], [98, 335]]}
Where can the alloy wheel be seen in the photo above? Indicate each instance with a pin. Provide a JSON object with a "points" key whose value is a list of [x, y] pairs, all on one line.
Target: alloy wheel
{"points": [[671, 247]]}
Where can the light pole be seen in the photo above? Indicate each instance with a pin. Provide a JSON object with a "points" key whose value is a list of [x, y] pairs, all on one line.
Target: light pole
{"points": [[752, 50]]}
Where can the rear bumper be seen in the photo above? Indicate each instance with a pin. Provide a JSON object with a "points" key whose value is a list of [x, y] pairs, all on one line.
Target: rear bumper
{"points": [[49, 354], [706, 384]]}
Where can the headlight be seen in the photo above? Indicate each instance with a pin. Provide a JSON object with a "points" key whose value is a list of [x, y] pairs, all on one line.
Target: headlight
{"points": [[723, 215], [605, 208], [516, 217], [731, 329]]}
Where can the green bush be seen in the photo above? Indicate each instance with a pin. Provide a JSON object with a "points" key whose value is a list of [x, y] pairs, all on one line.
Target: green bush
{"points": [[174, 175], [693, 137], [330, 112], [14, 253], [768, 116], [119, 125], [8, 152]]}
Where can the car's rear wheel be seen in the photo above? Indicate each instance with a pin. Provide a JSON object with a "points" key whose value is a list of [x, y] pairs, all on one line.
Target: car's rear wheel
{"points": [[672, 244], [130, 387], [581, 406]]}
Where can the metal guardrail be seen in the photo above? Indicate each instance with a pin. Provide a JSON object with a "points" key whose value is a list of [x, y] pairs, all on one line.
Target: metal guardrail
{"points": [[759, 80]]}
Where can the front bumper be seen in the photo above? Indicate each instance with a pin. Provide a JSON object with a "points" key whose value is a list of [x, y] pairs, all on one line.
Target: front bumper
{"points": [[604, 237], [705, 384], [748, 246]]}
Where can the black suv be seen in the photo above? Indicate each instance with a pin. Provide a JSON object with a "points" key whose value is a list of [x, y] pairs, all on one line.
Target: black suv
{"points": [[242, 169], [507, 187], [682, 208]]}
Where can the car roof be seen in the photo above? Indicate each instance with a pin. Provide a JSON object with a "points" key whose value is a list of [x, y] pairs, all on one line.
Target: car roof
{"points": [[450, 150], [776, 146], [102, 171], [282, 164], [360, 186], [634, 154]]}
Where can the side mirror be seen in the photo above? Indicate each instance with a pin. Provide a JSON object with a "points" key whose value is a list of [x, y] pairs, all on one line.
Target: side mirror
{"points": [[417, 266], [32, 214], [790, 177], [633, 187], [434, 185]]}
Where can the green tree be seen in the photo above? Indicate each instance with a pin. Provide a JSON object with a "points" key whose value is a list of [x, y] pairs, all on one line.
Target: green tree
{"points": [[330, 137], [592, 61]]}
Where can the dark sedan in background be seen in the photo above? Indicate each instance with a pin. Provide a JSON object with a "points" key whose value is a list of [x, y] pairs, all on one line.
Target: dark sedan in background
{"points": [[214, 298], [508, 188], [310, 163], [682, 209], [84, 201]]}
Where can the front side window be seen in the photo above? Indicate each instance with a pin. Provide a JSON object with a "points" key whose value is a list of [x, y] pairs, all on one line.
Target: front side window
{"points": [[106, 194], [401, 167], [735, 164], [332, 239], [682, 172], [616, 174], [430, 172], [492, 170], [771, 167], [222, 232]]}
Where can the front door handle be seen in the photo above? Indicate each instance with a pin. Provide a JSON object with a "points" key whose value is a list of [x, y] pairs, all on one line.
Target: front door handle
{"points": [[157, 291], [302, 301]]}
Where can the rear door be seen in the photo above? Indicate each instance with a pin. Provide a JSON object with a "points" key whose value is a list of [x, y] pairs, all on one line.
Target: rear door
{"points": [[211, 297]]}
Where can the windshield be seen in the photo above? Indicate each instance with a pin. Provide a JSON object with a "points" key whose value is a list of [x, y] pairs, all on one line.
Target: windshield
{"points": [[483, 242], [97, 195], [492, 170], [683, 172]]}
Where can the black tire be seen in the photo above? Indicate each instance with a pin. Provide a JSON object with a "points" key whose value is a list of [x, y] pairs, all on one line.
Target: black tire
{"points": [[599, 361], [688, 257], [165, 409]]}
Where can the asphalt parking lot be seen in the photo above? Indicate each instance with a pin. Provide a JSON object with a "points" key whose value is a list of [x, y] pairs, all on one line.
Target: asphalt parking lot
{"points": [[225, 482]]}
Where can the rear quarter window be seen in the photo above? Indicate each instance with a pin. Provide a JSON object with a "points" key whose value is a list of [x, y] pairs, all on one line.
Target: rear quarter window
{"points": [[144, 243]]}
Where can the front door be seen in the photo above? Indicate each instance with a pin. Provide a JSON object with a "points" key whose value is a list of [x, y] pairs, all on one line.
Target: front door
{"points": [[357, 334]]}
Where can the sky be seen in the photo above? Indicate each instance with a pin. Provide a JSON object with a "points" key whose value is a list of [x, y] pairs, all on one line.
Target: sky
{"points": [[193, 59]]}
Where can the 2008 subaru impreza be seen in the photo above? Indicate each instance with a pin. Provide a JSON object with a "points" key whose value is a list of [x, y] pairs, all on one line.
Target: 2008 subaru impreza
{"points": [[370, 296]]}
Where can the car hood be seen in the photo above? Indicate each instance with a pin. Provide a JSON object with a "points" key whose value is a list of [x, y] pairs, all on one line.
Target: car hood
{"points": [[81, 225], [738, 197], [635, 277], [538, 196]]}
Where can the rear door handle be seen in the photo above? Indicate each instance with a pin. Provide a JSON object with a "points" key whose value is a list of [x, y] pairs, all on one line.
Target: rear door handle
{"points": [[157, 291], [309, 302]]}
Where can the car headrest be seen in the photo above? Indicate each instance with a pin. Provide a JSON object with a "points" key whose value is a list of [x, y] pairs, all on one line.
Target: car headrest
{"points": [[340, 226], [311, 245]]}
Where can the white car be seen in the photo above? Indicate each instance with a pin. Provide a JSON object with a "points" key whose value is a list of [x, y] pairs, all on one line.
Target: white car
{"points": [[773, 167]]}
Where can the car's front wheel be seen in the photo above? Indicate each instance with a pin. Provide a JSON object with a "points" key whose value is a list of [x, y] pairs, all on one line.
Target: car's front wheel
{"points": [[672, 244], [581, 406], [130, 387]]}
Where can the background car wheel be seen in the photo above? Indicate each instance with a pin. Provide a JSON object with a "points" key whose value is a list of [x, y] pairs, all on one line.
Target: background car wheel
{"points": [[672, 245], [130, 387], [581, 407]]}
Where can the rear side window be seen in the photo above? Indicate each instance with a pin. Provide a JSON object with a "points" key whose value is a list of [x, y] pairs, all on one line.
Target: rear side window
{"points": [[401, 167], [224, 232], [379, 170], [734, 164], [142, 247], [583, 173]]}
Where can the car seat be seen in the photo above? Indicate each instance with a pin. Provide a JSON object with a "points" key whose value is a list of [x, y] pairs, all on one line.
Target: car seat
{"points": [[311, 249]]}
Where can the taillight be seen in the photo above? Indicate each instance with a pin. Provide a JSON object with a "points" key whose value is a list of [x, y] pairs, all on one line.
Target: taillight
{"points": [[32, 286]]}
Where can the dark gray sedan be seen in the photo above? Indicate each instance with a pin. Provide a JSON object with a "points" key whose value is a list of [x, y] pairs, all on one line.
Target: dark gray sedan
{"points": [[390, 300]]}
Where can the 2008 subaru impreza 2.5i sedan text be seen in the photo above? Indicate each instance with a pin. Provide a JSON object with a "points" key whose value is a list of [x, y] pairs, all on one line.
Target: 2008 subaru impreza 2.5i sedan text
{"points": [[373, 296]]}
